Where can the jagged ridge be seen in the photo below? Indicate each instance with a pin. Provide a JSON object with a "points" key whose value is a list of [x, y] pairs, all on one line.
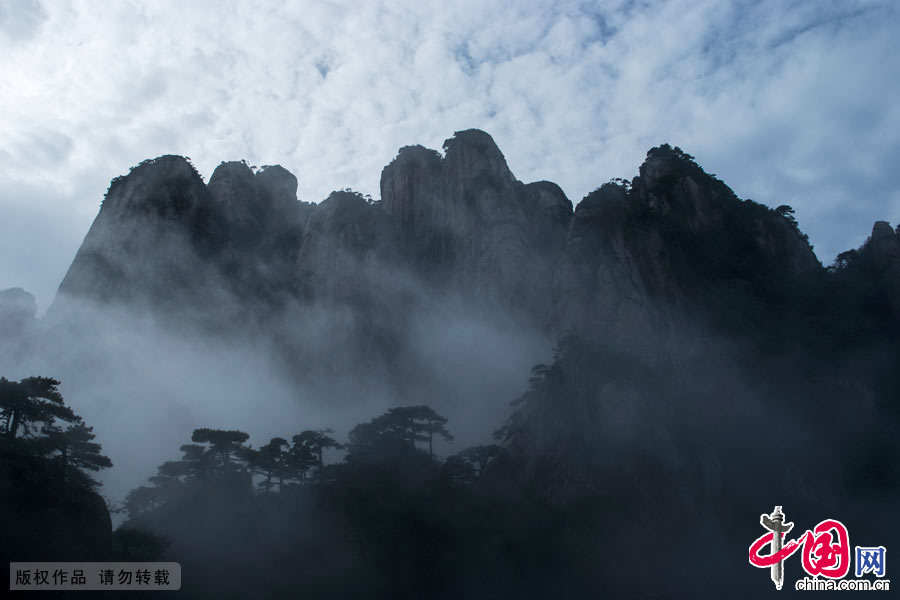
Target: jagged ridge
{"points": [[633, 257]]}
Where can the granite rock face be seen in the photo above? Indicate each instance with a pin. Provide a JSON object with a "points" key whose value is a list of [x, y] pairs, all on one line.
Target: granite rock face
{"points": [[348, 250], [884, 247], [261, 223], [256, 206], [686, 318], [457, 224], [468, 222], [641, 255], [167, 242], [150, 244], [598, 284], [672, 184], [627, 264]]}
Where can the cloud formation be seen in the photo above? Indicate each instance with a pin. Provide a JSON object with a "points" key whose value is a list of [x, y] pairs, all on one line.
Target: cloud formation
{"points": [[786, 102]]}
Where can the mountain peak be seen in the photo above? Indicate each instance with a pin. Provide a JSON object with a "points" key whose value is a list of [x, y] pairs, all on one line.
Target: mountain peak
{"points": [[235, 190], [346, 204], [167, 186], [472, 138], [231, 169], [883, 250], [665, 160], [462, 221], [280, 183], [166, 164], [471, 154], [417, 155], [16, 303], [882, 230], [142, 242]]}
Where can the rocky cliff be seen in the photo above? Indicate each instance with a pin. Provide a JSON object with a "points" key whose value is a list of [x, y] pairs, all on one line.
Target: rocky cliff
{"points": [[883, 249], [691, 321], [459, 223], [468, 221], [662, 253], [18, 310], [151, 243], [673, 244], [167, 243]]}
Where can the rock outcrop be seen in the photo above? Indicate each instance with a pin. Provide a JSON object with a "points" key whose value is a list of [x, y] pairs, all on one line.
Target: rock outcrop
{"points": [[18, 311], [468, 223], [261, 223], [635, 263], [884, 248], [152, 243], [167, 243], [348, 250], [641, 256], [256, 207], [459, 224]]}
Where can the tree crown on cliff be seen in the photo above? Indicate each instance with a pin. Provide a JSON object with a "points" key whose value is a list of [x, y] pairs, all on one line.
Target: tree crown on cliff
{"points": [[34, 407], [31, 402]]}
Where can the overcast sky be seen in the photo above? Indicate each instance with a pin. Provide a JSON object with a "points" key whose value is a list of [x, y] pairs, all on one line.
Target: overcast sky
{"points": [[787, 102]]}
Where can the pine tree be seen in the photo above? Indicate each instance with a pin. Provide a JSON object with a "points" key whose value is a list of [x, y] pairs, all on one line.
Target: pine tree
{"points": [[30, 402]]}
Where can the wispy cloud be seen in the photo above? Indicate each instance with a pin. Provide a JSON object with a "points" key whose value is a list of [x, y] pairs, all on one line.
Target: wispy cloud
{"points": [[787, 102]]}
